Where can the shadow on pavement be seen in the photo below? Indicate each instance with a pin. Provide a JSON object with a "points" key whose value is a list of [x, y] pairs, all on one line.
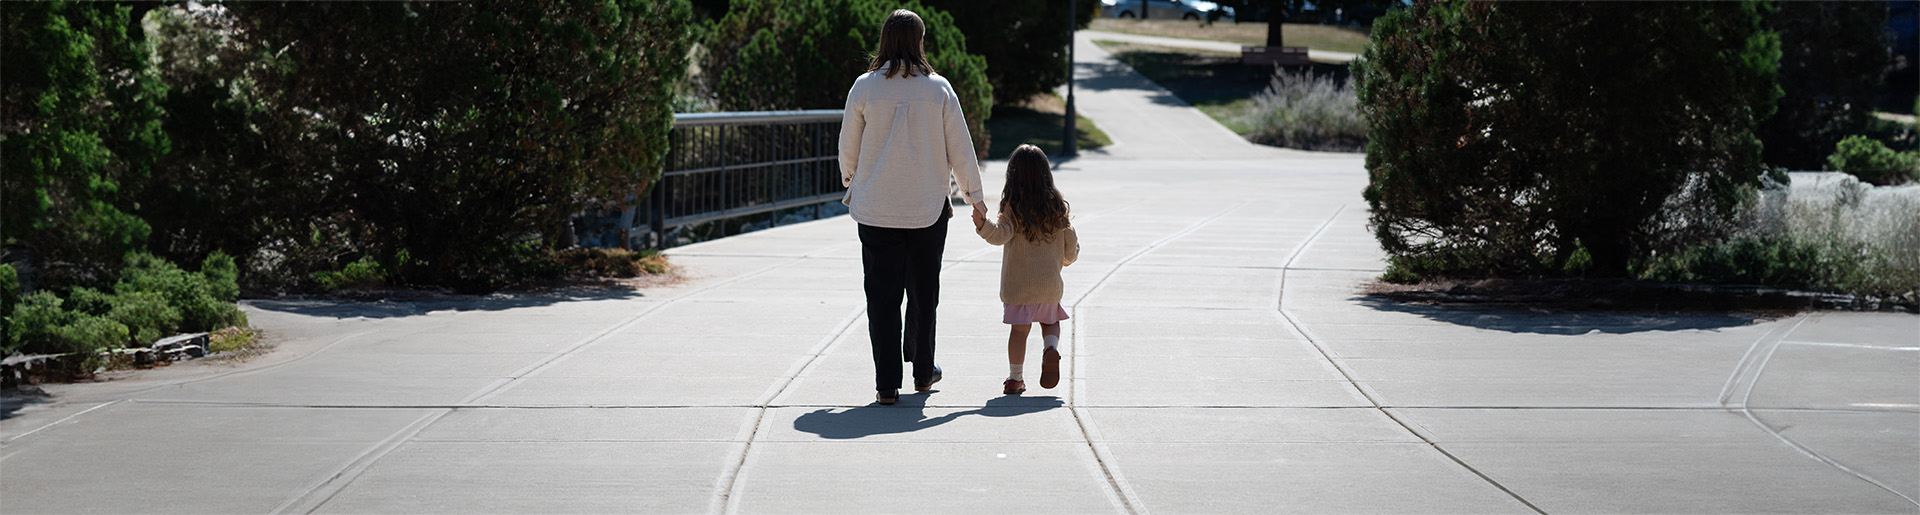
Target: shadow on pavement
{"points": [[14, 399], [1192, 78], [1523, 319], [1116, 76], [909, 415], [415, 304]]}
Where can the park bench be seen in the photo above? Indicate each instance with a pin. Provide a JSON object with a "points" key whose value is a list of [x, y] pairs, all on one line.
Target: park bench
{"points": [[1274, 55]]}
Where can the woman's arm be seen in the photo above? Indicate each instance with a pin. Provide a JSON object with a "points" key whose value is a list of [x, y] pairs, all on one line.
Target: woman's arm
{"points": [[960, 154], [852, 126]]}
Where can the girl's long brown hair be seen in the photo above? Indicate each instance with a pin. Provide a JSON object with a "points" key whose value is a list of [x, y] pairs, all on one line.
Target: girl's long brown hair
{"points": [[901, 46], [1030, 203]]}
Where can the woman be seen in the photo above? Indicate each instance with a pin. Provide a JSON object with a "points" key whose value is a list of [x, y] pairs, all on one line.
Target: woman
{"points": [[902, 136]]}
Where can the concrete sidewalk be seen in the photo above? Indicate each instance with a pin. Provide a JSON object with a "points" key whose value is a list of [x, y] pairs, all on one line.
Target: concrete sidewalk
{"points": [[1318, 56], [1222, 358], [1147, 122]]}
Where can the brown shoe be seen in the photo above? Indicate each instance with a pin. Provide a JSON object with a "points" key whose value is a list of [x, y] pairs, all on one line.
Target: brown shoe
{"points": [[1015, 387], [1050, 368]]}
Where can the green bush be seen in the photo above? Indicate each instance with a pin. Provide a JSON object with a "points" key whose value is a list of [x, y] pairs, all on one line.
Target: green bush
{"points": [[358, 275], [89, 301], [459, 130], [9, 297], [1873, 162], [1776, 262], [805, 54], [1502, 133], [88, 334], [146, 315], [191, 293], [41, 326], [223, 276], [1301, 110], [1832, 234], [35, 320], [152, 299]]}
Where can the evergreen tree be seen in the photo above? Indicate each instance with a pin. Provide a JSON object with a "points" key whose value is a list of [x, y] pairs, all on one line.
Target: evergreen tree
{"points": [[453, 139], [1024, 42], [79, 131], [1833, 62], [805, 54], [1522, 138]]}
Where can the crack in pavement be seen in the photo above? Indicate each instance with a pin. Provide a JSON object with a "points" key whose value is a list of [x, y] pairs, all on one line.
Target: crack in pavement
{"points": [[1365, 392]]}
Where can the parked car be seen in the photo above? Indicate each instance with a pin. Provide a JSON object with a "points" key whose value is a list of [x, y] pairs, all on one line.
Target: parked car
{"points": [[1362, 14], [1166, 10]]}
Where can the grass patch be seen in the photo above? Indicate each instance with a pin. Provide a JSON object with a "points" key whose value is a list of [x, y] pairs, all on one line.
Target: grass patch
{"points": [[1215, 82], [236, 345], [604, 262], [1317, 37], [232, 339], [1038, 121], [1230, 113]]}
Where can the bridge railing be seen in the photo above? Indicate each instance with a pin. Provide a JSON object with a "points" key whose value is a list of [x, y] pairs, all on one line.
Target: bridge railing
{"points": [[724, 167]]}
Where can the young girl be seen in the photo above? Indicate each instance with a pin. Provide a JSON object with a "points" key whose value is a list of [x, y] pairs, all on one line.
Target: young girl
{"points": [[1038, 241]]}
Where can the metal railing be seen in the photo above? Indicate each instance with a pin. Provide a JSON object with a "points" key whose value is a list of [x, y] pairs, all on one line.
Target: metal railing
{"points": [[723, 166]]}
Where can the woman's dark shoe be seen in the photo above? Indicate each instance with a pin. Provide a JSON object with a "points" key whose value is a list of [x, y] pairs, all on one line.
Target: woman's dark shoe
{"points": [[921, 387], [888, 396], [1014, 387]]}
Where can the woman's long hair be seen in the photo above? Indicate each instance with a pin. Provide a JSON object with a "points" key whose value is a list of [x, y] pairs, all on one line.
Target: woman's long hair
{"points": [[901, 48], [1030, 203]]}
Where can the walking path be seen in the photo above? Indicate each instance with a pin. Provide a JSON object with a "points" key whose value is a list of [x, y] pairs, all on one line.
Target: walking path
{"points": [[1315, 55], [1147, 122], [1222, 358]]}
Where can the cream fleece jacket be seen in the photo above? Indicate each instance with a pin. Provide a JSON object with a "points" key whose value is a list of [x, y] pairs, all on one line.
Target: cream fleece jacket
{"points": [[1030, 271], [899, 141]]}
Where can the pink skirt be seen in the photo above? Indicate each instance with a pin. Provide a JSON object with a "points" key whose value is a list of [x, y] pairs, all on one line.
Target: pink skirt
{"points": [[1034, 314]]}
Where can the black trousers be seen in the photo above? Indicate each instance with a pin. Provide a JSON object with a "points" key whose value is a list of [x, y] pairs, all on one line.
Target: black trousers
{"points": [[898, 261]]}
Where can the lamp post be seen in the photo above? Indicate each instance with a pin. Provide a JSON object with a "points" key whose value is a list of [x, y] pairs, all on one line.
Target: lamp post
{"points": [[1070, 143]]}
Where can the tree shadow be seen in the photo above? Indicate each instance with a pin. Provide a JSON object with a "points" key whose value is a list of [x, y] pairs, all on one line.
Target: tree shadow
{"points": [[1187, 78], [1552, 319], [1117, 76], [12, 400], [909, 415], [406, 304]]}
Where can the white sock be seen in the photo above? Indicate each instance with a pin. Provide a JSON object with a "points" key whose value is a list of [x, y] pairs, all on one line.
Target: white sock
{"points": [[1053, 340], [1014, 371]]}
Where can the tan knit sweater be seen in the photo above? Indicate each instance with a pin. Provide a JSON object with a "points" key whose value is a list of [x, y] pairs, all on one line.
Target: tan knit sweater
{"points": [[1030, 271]]}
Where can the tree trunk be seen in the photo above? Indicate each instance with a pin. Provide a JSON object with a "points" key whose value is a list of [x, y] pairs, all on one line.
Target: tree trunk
{"points": [[1275, 18]]}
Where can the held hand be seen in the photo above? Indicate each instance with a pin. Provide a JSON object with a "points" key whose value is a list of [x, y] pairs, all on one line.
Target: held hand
{"points": [[979, 215]]}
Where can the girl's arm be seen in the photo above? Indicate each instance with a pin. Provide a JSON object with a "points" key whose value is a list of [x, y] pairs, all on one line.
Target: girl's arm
{"points": [[996, 233], [1071, 247]]}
